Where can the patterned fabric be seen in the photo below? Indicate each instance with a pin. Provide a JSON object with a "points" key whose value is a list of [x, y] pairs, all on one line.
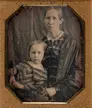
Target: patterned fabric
{"points": [[34, 81], [30, 77], [51, 59], [63, 63]]}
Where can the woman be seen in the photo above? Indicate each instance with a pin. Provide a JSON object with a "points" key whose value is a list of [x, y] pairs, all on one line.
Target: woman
{"points": [[62, 59]]}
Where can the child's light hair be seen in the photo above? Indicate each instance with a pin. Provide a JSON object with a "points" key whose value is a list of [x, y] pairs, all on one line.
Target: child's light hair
{"points": [[37, 42]]}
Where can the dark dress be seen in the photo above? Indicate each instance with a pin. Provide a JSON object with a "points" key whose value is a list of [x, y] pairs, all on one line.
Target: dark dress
{"points": [[63, 63]]}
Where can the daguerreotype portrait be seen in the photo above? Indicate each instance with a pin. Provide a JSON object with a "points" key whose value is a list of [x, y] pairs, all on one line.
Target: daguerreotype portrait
{"points": [[45, 53]]}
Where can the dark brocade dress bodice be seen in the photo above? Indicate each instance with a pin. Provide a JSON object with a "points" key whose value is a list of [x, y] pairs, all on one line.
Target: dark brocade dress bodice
{"points": [[63, 62], [51, 59]]}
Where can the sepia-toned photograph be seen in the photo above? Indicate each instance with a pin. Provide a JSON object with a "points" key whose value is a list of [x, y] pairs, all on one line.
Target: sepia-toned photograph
{"points": [[45, 53]]}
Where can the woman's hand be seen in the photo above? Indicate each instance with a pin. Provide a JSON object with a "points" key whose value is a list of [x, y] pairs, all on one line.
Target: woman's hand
{"points": [[51, 91]]}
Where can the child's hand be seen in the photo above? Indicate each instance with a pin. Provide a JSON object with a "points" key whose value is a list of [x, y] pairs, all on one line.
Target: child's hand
{"points": [[12, 71], [17, 85], [12, 79]]}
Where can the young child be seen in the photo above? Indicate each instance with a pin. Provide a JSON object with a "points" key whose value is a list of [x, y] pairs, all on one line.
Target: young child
{"points": [[29, 77]]}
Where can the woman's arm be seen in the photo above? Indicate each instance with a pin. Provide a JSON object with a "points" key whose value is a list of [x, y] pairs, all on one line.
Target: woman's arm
{"points": [[70, 76]]}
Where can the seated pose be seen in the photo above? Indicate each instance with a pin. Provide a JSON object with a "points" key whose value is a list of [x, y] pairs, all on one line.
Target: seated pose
{"points": [[29, 77], [62, 58]]}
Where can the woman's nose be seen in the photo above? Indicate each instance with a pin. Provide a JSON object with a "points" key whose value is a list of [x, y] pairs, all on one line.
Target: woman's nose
{"points": [[50, 21]]}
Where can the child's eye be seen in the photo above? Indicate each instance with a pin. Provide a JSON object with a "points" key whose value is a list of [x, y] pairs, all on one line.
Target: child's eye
{"points": [[39, 52], [33, 52]]}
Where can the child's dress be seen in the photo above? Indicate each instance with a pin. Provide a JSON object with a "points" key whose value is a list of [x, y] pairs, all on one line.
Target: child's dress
{"points": [[34, 81]]}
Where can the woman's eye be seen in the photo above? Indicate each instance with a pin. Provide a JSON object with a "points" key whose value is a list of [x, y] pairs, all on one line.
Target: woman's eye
{"points": [[54, 18], [48, 18]]}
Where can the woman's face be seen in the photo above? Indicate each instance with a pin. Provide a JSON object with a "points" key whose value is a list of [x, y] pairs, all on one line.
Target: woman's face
{"points": [[52, 21]]}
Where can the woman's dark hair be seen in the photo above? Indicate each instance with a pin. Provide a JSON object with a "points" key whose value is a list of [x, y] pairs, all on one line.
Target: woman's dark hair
{"points": [[59, 10]]}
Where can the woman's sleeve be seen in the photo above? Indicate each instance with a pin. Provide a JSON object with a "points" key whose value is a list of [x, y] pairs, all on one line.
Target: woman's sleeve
{"points": [[72, 80]]}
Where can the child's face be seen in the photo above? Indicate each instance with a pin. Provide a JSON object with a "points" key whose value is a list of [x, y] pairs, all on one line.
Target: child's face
{"points": [[36, 53], [52, 20]]}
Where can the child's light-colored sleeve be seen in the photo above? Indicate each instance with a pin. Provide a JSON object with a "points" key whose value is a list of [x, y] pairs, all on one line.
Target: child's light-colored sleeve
{"points": [[25, 75]]}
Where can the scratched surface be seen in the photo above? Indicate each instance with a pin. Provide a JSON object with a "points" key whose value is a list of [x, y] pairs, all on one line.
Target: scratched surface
{"points": [[82, 100]]}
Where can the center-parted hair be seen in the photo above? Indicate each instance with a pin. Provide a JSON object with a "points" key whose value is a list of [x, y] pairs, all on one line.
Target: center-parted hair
{"points": [[57, 8], [37, 42]]}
